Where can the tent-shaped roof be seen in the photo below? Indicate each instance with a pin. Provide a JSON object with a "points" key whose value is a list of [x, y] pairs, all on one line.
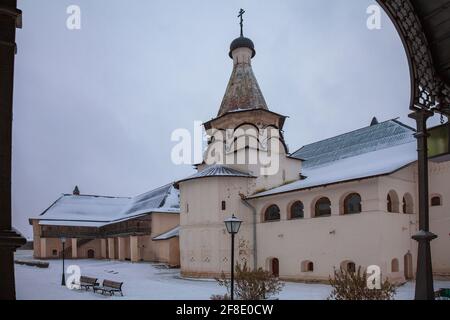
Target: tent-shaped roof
{"points": [[216, 171]]}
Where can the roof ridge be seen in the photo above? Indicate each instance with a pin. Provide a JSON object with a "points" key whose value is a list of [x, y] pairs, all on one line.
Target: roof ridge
{"points": [[95, 196], [153, 190]]}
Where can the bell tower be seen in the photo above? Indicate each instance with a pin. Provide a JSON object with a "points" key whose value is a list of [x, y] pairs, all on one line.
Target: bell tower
{"points": [[243, 101], [243, 114]]}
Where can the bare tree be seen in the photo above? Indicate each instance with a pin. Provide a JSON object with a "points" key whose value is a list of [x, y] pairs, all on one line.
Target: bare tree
{"points": [[352, 285], [250, 285]]}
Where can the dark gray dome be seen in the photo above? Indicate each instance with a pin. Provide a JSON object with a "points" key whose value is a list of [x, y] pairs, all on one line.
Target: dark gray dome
{"points": [[242, 42]]}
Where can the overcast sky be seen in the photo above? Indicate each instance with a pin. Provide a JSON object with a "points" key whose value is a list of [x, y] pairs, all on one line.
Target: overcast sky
{"points": [[96, 107]]}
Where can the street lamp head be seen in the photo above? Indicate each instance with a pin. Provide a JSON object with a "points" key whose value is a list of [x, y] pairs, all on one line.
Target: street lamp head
{"points": [[63, 240], [233, 224]]}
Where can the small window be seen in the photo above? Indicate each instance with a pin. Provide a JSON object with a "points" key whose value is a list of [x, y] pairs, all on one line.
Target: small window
{"points": [[436, 201], [323, 207], [187, 207], [54, 252], [307, 266], [352, 204], [224, 205], [297, 210], [272, 213], [394, 265]]}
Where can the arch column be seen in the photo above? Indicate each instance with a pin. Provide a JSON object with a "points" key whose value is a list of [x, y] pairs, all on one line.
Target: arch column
{"points": [[122, 249], [43, 248], [335, 208], [111, 249], [134, 248], [74, 248]]}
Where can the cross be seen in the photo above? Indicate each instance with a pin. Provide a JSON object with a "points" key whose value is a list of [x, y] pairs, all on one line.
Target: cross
{"points": [[241, 14]]}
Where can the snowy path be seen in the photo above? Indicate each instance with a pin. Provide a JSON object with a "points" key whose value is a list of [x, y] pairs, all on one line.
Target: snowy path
{"points": [[146, 281]]}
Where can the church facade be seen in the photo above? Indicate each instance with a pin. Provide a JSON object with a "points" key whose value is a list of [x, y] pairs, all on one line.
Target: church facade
{"points": [[347, 201]]}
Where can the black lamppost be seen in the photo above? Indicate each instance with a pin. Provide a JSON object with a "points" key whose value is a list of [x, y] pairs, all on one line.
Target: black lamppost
{"points": [[63, 277], [233, 224]]}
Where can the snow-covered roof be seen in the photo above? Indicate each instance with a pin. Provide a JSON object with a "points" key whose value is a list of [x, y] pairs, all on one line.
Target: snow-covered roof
{"points": [[216, 171], [71, 223], [375, 137], [373, 151], [169, 234], [96, 211]]}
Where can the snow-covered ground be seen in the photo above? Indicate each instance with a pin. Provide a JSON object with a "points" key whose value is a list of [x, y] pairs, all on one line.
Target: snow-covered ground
{"points": [[147, 281]]}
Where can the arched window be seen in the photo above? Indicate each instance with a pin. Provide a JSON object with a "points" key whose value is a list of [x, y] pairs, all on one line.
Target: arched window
{"points": [[352, 204], [392, 202], [297, 210], [307, 266], [394, 265], [436, 201], [407, 204], [322, 207], [272, 213]]}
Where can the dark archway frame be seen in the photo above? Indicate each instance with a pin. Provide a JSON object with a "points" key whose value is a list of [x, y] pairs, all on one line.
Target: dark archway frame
{"points": [[424, 28], [10, 239], [427, 47], [429, 69]]}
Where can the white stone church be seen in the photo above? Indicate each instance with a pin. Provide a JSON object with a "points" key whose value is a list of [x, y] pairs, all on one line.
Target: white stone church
{"points": [[347, 201]]}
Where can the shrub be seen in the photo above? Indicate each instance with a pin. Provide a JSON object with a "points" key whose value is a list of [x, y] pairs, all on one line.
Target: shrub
{"points": [[348, 285], [250, 285]]}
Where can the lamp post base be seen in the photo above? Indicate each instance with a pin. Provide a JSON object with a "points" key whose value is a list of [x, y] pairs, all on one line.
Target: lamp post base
{"points": [[424, 276]]}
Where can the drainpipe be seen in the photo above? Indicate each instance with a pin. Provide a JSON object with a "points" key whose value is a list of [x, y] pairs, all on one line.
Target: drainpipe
{"points": [[255, 251]]}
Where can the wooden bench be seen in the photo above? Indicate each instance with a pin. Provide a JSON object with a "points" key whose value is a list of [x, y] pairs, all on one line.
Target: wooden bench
{"points": [[88, 282], [110, 287]]}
